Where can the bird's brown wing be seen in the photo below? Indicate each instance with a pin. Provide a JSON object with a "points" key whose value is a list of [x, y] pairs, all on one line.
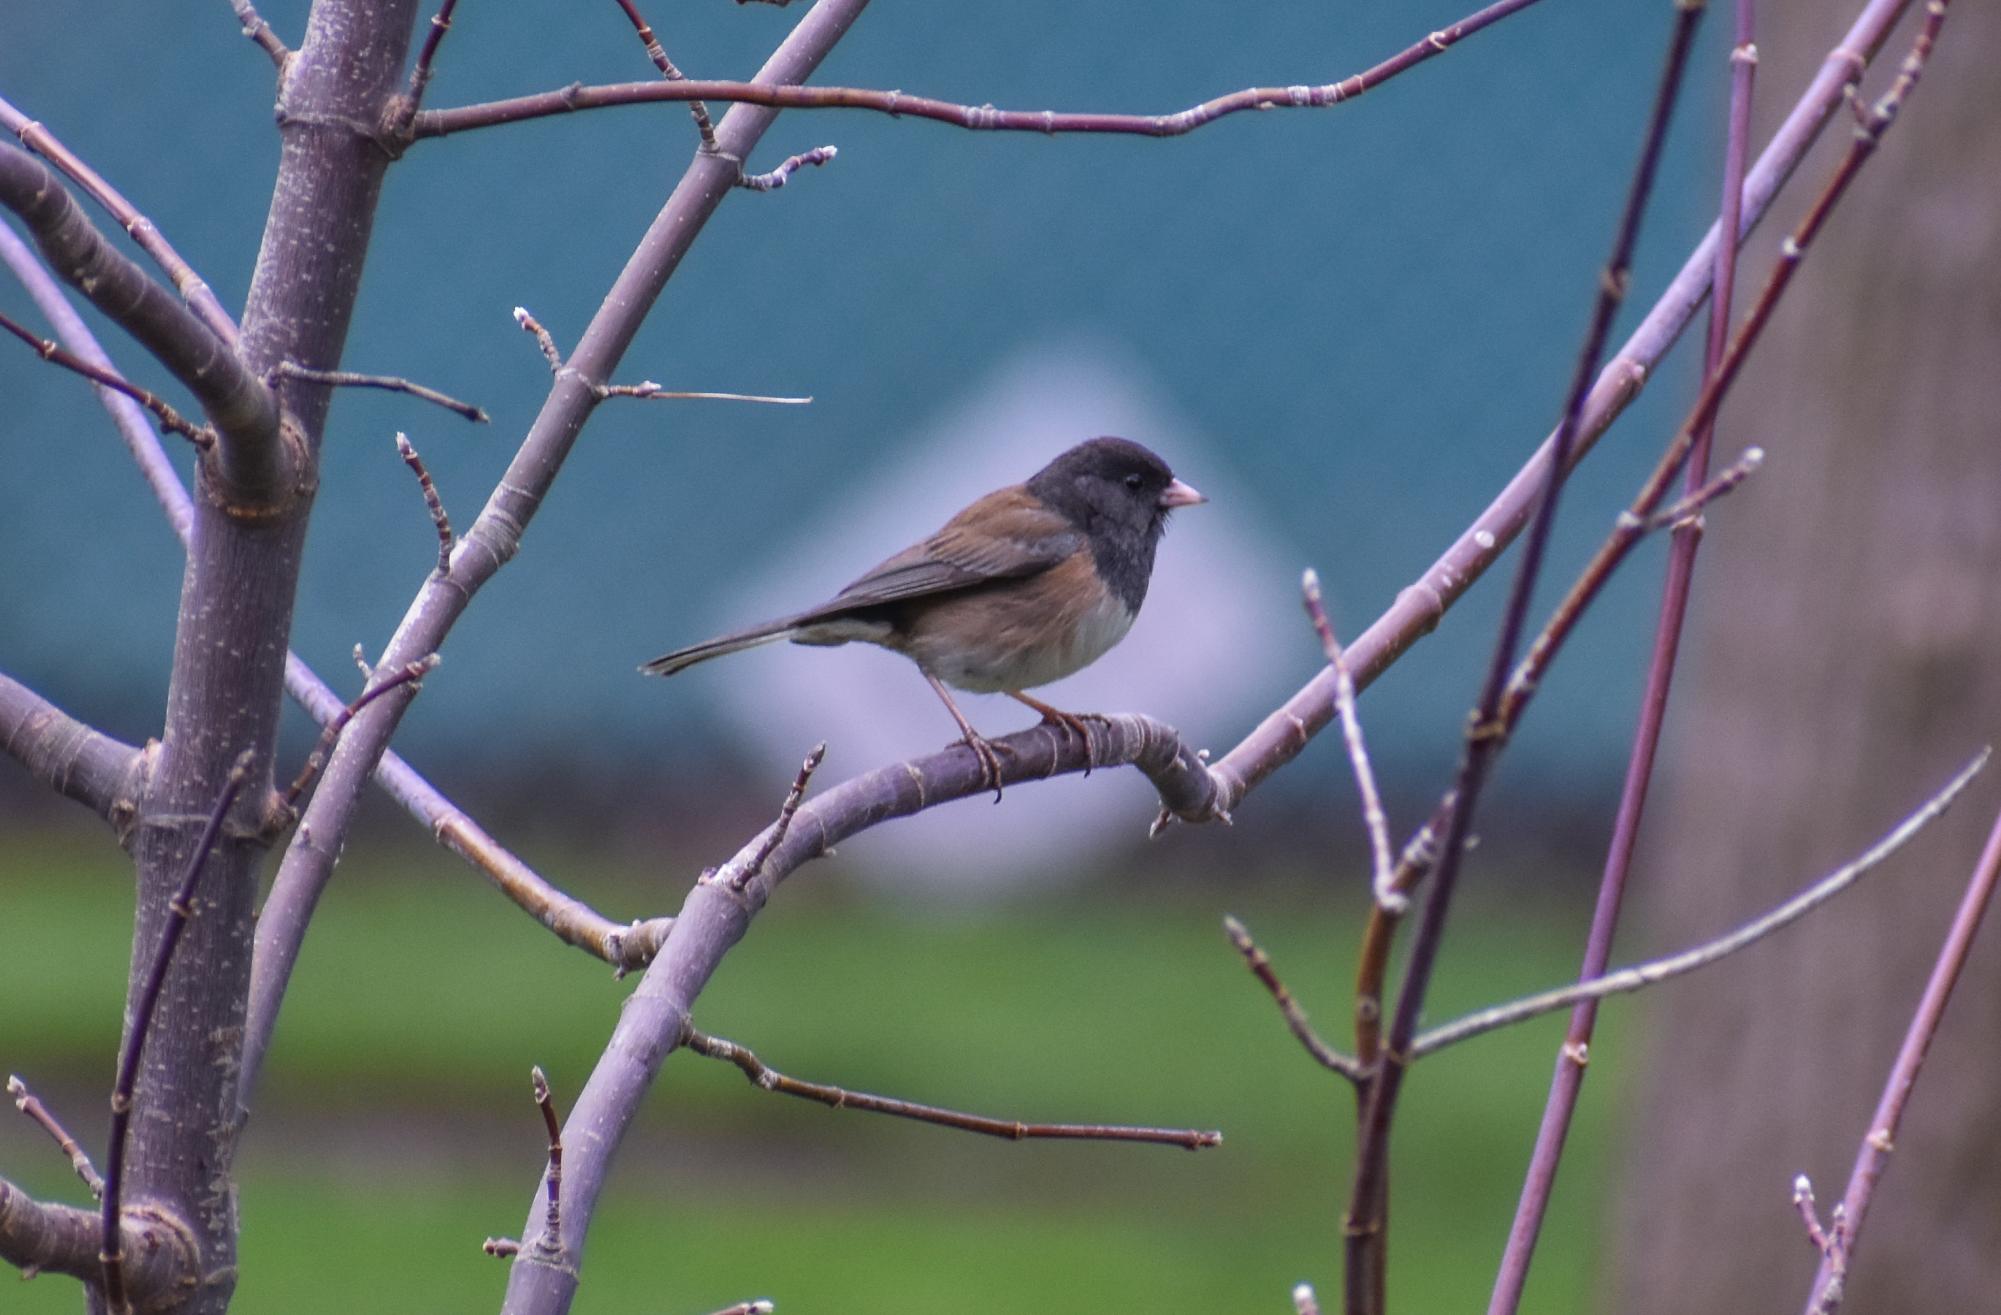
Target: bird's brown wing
{"points": [[1008, 534]]}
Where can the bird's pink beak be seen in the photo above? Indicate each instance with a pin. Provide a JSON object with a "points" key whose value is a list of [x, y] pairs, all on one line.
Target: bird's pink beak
{"points": [[1177, 494]]}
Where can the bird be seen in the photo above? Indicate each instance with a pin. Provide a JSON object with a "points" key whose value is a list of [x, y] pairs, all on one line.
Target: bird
{"points": [[1026, 585]]}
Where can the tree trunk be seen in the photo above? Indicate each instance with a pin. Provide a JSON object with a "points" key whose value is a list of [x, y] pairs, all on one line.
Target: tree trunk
{"points": [[1843, 661]]}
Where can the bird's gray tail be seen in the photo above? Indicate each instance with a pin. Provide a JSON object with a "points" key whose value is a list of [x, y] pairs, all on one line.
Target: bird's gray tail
{"points": [[734, 642]]}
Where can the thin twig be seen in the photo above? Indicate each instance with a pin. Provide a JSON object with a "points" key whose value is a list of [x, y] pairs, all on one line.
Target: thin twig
{"points": [[545, 340], [770, 1079], [1288, 1006], [777, 178], [552, 1229], [1643, 975], [1685, 513], [1873, 1156], [386, 382], [775, 836], [438, 123], [408, 673], [441, 522], [202, 436], [79, 1159], [648, 391], [658, 54], [761, 1306], [259, 31], [179, 910], [420, 72], [1373, 817], [1367, 1210], [1824, 1240], [1304, 1300]]}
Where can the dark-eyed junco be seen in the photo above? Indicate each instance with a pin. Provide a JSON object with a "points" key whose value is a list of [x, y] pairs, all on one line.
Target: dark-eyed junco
{"points": [[1027, 585]]}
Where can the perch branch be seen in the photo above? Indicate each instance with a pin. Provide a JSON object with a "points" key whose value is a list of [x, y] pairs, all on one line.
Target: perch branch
{"points": [[105, 775], [568, 100], [193, 289], [38, 1113], [1640, 976], [713, 918], [386, 382], [1288, 1006], [766, 1078], [180, 909]]}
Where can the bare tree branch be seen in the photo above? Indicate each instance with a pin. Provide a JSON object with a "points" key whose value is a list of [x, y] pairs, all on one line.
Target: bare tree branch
{"points": [[658, 54], [432, 502], [495, 534], [1373, 819], [194, 289], [202, 436], [439, 123], [420, 72], [1288, 1007], [43, 1237], [38, 1113], [624, 946], [766, 1078], [1420, 606], [387, 382], [103, 774], [1367, 1214], [1642, 975], [1566, 1084], [254, 463]]}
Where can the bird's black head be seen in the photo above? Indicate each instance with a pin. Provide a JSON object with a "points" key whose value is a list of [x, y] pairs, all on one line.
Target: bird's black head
{"points": [[1119, 494]]}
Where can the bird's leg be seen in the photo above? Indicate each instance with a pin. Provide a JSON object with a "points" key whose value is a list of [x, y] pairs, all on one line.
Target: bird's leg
{"points": [[990, 770], [1079, 722]]}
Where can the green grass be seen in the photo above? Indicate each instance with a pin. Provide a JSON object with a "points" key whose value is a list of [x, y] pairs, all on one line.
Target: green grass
{"points": [[394, 1132]]}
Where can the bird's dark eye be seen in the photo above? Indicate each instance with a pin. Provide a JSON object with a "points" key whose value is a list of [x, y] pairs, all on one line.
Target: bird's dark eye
{"points": [[1133, 482]]}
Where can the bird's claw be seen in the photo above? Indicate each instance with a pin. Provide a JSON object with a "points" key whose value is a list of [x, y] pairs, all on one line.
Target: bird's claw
{"points": [[990, 768], [1079, 724]]}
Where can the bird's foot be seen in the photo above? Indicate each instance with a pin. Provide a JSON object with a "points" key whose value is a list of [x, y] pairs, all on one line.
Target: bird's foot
{"points": [[989, 756], [1078, 724]]}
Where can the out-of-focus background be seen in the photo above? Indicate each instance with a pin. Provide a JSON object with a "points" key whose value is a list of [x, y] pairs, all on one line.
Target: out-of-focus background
{"points": [[1347, 326]]}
